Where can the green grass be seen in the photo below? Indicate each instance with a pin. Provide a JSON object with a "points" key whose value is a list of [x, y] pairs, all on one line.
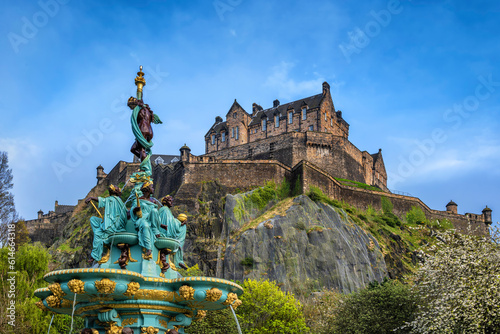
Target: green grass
{"points": [[356, 184]]}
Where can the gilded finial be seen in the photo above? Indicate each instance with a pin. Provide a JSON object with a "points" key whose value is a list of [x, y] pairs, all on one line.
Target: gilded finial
{"points": [[140, 82]]}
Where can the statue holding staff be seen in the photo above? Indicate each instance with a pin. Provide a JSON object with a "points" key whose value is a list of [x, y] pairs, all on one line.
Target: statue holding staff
{"points": [[114, 220]]}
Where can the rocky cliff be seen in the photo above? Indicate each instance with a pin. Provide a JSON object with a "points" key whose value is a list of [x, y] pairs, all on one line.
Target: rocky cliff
{"points": [[295, 241], [299, 243]]}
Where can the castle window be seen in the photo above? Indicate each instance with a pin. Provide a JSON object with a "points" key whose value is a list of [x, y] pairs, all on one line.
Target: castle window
{"points": [[223, 136], [331, 121], [290, 117], [264, 124], [213, 139], [232, 132], [234, 115], [304, 113], [311, 127], [325, 116], [277, 121], [237, 132], [159, 161]]}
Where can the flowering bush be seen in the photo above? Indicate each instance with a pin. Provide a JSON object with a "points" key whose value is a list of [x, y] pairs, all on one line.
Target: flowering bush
{"points": [[460, 286]]}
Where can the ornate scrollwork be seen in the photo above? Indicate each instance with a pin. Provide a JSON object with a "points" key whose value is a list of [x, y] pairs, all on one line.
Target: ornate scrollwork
{"points": [[132, 289], [155, 295], [149, 330], [231, 297], [105, 285], [186, 292], [105, 257], [76, 286], [55, 288], [213, 295], [145, 254], [114, 329]]}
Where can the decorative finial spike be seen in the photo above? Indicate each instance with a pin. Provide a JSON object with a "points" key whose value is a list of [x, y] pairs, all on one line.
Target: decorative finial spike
{"points": [[140, 82]]}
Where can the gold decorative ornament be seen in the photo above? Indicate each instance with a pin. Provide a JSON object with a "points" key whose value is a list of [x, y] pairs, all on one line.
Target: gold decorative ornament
{"points": [[95, 331], [231, 297], [237, 303], [76, 286], [55, 288], [155, 295], [105, 285], [66, 303], [149, 330], [41, 306], [145, 255], [114, 329], [171, 261], [132, 289], [163, 323], [129, 321], [213, 295], [53, 301], [182, 217], [105, 257], [186, 292], [200, 315], [140, 82]]}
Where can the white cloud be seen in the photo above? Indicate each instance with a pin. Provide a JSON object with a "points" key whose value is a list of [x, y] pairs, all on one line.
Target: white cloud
{"points": [[288, 87]]}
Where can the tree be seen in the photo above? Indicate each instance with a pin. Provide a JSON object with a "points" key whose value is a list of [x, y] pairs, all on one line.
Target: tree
{"points": [[379, 308], [267, 309], [460, 285], [7, 210]]}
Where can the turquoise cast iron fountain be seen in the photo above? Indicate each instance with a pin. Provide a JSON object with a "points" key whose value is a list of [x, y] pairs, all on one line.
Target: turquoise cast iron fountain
{"points": [[135, 287]]}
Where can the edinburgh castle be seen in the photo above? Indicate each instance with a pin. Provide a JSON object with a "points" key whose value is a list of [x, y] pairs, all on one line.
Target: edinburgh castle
{"points": [[305, 142]]}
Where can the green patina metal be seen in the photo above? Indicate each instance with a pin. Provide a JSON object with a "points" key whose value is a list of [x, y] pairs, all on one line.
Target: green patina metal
{"points": [[132, 287]]}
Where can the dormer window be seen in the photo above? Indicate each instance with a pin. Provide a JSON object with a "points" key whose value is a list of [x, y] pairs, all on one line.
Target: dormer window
{"points": [[290, 117], [232, 132], [264, 124], [304, 113], [234, 115], [159, 161], [213, 139], [223, 136], [276, 121]]}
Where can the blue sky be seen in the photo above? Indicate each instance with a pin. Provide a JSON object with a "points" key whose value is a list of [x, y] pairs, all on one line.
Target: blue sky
{"points": [[415, 78]]}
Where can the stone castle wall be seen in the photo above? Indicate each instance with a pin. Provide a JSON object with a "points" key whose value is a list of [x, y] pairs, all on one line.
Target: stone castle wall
{"points": [[362, 198]]}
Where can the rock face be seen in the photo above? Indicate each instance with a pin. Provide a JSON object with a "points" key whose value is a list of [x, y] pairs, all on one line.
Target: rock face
{"points": [[304, 243]]}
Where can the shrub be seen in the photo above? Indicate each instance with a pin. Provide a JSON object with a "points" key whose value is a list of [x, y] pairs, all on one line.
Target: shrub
{"points": [[416, 216], [247, 262], [31, 265], [379, 308], [267, 309], [386, 205], [216, 322]]}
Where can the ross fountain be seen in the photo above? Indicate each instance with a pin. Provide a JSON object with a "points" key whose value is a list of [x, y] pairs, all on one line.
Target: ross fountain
{"points": [[136, 287]]}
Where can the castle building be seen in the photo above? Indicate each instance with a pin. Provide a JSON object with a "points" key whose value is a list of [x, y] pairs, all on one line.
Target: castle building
{"points": [[305, 142], [307, 129]]}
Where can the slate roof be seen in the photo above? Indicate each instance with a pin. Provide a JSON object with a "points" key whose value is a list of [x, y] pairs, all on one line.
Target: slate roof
{"points": [[311, 102]]}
